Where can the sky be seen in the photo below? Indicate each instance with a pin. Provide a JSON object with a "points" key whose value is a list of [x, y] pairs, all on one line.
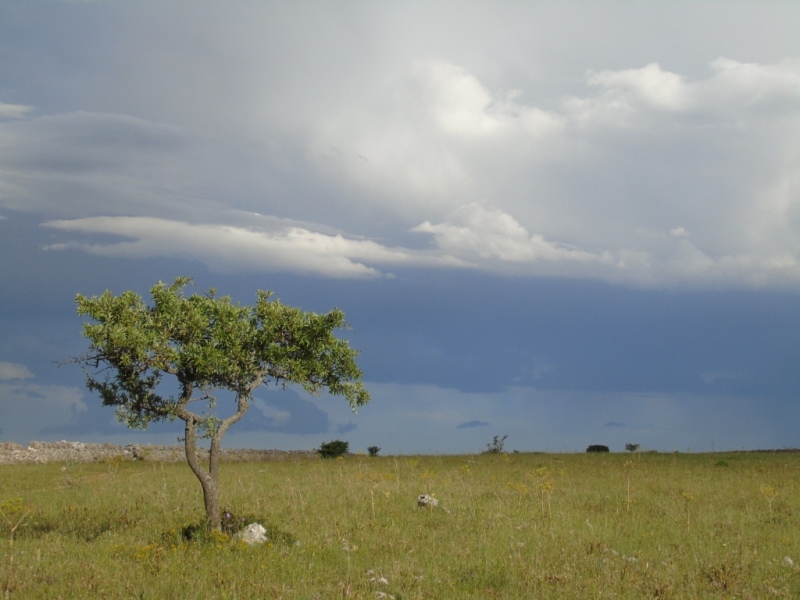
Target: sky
{"points": [[570, 223]]}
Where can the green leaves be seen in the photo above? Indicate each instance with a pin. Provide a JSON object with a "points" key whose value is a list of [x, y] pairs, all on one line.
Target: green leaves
{"points": [[207, 342], [202, 343]]}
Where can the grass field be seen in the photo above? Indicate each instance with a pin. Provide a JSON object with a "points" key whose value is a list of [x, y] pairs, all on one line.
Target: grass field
{"points": [[509, 526]]}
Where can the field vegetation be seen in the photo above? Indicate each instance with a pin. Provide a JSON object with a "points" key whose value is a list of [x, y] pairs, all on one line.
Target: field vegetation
{"points": [[639, 525]]}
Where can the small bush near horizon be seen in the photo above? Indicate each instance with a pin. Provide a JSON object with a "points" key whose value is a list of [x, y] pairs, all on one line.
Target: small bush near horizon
{"points": [[597, 448], [632, 447], [333, 449], [497, 445], [373, 450]]}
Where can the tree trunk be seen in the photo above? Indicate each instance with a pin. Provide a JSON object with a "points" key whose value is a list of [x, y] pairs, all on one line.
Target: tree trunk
{"points": [[216, 440], [207, 478]]}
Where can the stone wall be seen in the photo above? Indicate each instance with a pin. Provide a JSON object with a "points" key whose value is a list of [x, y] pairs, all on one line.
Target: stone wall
{"points": [[45, 452]]}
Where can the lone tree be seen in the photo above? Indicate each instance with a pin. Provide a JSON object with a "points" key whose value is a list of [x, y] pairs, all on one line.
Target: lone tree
{"points": [[208, 344]]}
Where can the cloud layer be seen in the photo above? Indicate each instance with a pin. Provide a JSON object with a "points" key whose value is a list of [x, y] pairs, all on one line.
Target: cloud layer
{"points": [[570, 222], [594, 185]]}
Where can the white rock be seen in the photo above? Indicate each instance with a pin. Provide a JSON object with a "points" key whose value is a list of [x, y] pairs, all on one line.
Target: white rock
{"points": [[252, 535], [426, 501]]}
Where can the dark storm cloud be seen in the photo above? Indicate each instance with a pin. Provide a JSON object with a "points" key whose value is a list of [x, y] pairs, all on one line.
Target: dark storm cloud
{"points": [[470, 424], [290, 414], [549, 219], [287, 412], [97, 420], [587, 335]]}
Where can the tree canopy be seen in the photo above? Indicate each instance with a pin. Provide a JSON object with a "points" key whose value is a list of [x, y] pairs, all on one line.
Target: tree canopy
{"points": [[205, 344]]}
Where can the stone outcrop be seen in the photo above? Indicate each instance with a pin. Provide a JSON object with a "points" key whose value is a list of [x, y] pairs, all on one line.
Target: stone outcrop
{"points": [[63, 451], [426, 501], [429, 502], [253, 535]]}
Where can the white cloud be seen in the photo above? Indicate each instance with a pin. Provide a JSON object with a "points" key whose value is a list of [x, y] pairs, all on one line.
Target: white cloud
{"points": [[472, 236], [650, 86], [425, 139], [751, 87], [476, 233], [679, 232], [14, 111], [425, 146], [734, 90], [277, 246], [11, 371], [643, 149], [491, 239], [457, 102]]}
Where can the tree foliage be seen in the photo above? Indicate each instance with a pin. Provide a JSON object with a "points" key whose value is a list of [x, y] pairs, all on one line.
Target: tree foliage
{"points": [[497, 445], [206, 344], [333, 449], [597, 448]]}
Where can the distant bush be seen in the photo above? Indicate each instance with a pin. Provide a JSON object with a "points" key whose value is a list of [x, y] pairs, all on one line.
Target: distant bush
{"points": [[333, 449], [597, 448], [373, 450], [497, 445], [631, 447]]}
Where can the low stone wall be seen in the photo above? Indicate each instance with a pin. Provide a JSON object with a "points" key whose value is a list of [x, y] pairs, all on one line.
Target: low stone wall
{"points": [[46, 452]]}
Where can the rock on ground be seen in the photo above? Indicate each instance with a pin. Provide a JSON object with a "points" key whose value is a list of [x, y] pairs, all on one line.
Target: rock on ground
{"points": [[426, 501], [252, 535], [63, 451]]}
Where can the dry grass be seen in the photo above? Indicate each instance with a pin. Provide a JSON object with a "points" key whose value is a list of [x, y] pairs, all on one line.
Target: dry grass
{"points": [[511, 526]]}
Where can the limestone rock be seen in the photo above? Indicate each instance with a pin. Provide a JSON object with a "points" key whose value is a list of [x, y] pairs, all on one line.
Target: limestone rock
{"points": [[64, 451], [426, 501], [252, 535]]}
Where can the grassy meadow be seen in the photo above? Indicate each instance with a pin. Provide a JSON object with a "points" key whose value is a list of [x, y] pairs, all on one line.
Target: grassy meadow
{"points": [[582, 526]]}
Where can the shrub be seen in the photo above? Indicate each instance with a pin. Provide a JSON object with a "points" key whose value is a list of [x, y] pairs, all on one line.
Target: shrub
{"points": [[333, 449], [631, 447], [373, 450], [496, 447], [597, 448]]}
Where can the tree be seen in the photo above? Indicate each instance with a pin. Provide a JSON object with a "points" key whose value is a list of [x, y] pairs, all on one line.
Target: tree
{"points": [[207, 344], [597, 448], [497, 445]]}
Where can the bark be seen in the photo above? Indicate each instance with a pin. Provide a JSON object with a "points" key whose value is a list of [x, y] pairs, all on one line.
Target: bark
{"points": [[213, 452], [209, 477], [206, 477]]}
